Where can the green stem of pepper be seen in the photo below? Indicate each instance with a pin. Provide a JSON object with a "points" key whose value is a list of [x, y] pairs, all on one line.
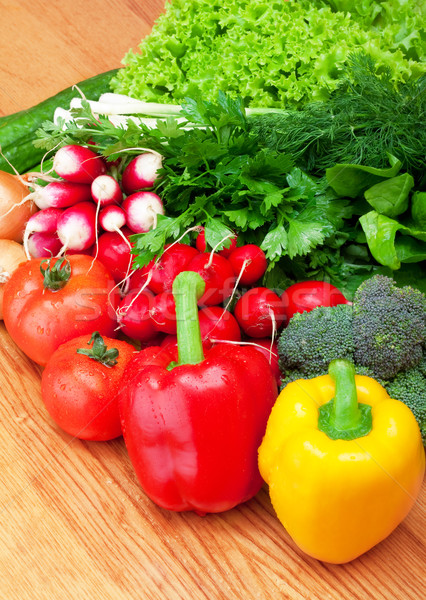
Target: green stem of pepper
{"points": [[344, 418], [188, 287]]}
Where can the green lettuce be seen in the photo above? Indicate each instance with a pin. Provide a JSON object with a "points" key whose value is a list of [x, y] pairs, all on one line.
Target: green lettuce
{"points": [[272, 54]]}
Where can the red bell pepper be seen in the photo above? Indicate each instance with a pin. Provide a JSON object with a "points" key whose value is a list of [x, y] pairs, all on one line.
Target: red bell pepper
{"points": [[193, 428]]}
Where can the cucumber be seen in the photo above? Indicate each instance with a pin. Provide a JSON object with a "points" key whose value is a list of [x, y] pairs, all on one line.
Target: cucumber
{"points": [[17, 131]]}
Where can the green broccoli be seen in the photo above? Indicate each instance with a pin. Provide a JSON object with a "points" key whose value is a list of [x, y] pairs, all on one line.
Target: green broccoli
{"points": [[389, 326], [313, 339], [410, 387]]}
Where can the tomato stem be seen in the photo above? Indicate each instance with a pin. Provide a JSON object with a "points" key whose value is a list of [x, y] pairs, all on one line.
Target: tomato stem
{"points": [[55, 277], [99, 351]]}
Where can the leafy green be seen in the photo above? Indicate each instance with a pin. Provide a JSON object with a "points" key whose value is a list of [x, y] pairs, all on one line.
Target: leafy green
{"points": [[271, 54]]}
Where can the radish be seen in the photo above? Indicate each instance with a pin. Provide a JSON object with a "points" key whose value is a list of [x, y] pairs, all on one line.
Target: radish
{"points": [[200, 244], [248, 263], [306, 295], [43, 244], [60, 194], [113, 251], [163, 313], [105, 190], [77, 226], [141, 172], [141, 211], [134, 315], [78, 164], [216, 324], [260, 312], [112, 218], [43, 221], [175, 258], [218, 276]]}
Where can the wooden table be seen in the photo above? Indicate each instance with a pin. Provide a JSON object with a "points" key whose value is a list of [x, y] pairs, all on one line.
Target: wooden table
{"points": [[74, 522]]}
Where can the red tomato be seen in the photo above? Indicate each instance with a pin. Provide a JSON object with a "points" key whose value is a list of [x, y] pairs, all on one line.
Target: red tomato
{"points": [[40, 319], [306, 295], [80, 393]]}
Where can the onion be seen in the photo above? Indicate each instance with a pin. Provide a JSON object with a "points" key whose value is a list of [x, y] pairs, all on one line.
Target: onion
{"points": [[12, 192], [12, 255]]}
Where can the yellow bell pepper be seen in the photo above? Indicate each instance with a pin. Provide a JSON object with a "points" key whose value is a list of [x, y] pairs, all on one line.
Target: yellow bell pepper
{"points": [[344, 463]]}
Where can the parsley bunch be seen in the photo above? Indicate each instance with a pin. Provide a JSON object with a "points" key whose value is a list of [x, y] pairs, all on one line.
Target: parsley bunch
{"points": [[217, 175]]}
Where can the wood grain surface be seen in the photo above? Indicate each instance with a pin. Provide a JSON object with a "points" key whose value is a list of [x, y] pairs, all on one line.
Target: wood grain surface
{"points": [[74, 522]]}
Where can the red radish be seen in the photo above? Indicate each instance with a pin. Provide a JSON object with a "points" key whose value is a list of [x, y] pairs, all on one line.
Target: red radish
{"points": [[43, 221], [270, 350], [216, 323], [141, 172], [105, 190], [114, 253], [163, 313], [43, 244], [77, 226], [306, 295], [248, 263], [200, 244], [60, 194], [169, 343], [259, 312], [78, 164], [134, 315], [142, 209], [218, 276], [175, 258], [112, 218]]}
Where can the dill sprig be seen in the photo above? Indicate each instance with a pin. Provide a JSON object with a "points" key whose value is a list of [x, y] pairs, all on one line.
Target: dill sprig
{"points": [[366, 118]]}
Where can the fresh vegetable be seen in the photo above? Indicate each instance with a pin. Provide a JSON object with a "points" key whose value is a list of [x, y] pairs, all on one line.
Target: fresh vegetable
{"points": [[366, 118], [248, 263], [192, 432], [383, 333], [218, 277], [280, 54], [113, 251], [105, 190], [141, 172], [12, 255], [163, 313], [59, 194], [218, 175], [134, 315], [43, 221], [410, 387], [389, 326], [259, 312], [17, 131], [14, 213], [217, 324], [77, 226], [43, 244], [306, 295], [162, 271], [343, 461], [80, 383], [48, 302], [142, 210], [112, 218], [78, 164]]}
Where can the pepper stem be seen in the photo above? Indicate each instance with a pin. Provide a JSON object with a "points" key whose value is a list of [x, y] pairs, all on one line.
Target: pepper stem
{"points": [[344, 418], [188, 287]]}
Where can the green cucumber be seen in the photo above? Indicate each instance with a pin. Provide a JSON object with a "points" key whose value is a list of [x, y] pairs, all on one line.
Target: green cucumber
{"points": [[17, 131]]}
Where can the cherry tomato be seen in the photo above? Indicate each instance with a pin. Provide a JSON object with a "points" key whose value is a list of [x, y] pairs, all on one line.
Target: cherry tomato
{"points": [[306, 295], [80, 390], [39, 318]]}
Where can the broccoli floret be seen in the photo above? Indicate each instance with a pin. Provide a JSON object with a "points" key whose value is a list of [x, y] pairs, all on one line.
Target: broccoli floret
{"points": [[410, 387], [313, 339], [389, 326]]}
